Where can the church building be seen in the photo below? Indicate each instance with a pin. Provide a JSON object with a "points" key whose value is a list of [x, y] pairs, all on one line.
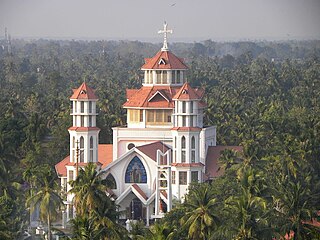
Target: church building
{"points": [[161, 151]]}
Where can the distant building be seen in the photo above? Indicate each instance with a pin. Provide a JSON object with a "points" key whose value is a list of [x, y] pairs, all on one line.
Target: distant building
{"points": [[161, 151]]}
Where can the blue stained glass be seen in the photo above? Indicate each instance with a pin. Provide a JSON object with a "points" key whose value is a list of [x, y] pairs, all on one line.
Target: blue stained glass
{"points": [[136, 173]]}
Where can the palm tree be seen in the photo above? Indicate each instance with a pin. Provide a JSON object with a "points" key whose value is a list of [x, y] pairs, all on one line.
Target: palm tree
{"points": [[200, 218], [48, 200], [89, 190], [138, 230], [248, 209], [294, 204], [161, 231], [94, 208], [84, 228]]}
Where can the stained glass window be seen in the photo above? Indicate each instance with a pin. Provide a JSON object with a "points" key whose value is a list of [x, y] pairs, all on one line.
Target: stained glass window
{"points": [[136, 173]]}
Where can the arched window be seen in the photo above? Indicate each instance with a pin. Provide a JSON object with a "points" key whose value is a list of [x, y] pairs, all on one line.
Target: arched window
{"points": [[193, 149], [91, 149], [74, 149], [183, 149], [91, 142], [81, 149], [136, 172], [111, 182], [183, 142], [193, 142]]}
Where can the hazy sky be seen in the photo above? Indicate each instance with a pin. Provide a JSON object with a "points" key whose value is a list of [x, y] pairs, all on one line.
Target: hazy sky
{"points": [[141, 19]]}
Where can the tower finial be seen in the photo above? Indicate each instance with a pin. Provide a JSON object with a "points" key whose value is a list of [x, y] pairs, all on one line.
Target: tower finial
{"points": [[165, 31]]}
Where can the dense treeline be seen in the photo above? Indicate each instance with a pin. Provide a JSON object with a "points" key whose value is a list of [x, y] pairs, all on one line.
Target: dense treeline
{"points": [[262, 96]]}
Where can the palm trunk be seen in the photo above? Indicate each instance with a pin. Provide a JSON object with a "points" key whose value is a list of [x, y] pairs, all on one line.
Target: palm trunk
{"points": [[49, 227]]}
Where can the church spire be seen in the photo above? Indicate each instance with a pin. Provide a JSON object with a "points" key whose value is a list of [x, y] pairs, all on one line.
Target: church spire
{"points": [[165, 31]]}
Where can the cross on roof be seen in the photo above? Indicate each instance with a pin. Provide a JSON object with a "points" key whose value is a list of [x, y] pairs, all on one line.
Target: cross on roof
{"points": [[165, 31]]}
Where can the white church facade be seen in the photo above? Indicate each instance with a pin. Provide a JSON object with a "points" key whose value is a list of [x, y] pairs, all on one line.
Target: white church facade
{"points": [[161, 151]]}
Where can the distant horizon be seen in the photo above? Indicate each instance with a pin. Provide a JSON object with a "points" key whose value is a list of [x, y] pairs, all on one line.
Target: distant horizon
{"points": [[228, 20], [155, 40]]}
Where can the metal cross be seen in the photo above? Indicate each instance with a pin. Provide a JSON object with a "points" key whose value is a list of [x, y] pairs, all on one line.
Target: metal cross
{"points": [[165, 31]]}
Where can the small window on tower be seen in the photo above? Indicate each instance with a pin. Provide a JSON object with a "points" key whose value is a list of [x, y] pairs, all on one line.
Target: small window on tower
{"points": [[184, 107], [82, 107], [90, 107], [90, 121], [83, 92], [162, 62]]}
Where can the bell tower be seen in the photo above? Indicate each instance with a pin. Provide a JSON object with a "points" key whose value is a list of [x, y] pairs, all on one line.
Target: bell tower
{"points": [[84, 134], [187, 120]]}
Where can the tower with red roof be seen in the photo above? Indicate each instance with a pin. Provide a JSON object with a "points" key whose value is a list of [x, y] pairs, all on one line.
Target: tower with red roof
{"points": [[84, 134]]}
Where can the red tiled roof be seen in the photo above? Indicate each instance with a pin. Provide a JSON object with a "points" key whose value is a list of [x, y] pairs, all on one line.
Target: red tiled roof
{"points": [[105, 154], [151, 149], [130, 92], [187, 164], [61, 167], [171, 61], [104, 158], [187, 129], [80, 164], [162, 96], [212, 167], [139, 190], [142, 97], [84, 92], [186, 92], [83, 129]]}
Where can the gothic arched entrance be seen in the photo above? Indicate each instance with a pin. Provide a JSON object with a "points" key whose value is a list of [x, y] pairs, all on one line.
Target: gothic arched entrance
{"points": [[136, 209]]}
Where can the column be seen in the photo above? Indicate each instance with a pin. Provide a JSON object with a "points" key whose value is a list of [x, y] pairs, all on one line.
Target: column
{"points": [[148, 215]]}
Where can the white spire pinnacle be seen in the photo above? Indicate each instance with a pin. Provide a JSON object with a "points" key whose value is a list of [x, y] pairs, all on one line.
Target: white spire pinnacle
{"points": [[165, 31]]}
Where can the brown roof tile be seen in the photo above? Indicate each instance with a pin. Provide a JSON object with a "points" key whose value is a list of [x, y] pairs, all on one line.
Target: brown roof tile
{"points": [[151, 149], [142, 97], [61, 167], [83, 129], [212, 167], [139, 190], [130, 92], [187, 129], [187, 164], [105, 154], [171, 61], [83, 92], [186, 92]]}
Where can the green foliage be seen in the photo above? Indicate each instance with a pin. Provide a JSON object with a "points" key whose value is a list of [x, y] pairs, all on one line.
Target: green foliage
{"points": [[96, 212], [270, 108]]}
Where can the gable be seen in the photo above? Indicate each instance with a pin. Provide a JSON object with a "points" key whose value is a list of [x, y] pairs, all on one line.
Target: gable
{"points": [[158, 97]]}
